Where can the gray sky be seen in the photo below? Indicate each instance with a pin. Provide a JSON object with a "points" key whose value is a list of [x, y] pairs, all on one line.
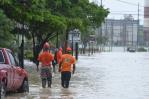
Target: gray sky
{"points": [[118, 8]]}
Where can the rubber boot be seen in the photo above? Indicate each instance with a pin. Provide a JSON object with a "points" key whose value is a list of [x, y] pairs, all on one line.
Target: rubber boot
{"points": [[49, 84], [43, 83], [67, 84]]}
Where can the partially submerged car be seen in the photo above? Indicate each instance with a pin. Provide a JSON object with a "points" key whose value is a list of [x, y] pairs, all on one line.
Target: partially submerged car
{"points": [[12, 76], [131, 49]]}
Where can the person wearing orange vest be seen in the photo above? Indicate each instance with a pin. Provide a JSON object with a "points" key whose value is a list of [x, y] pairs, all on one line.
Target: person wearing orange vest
{"points": [[67, 65], [46, 59], [59, 55]]}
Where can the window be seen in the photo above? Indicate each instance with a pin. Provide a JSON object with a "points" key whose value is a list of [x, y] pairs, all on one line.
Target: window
{"points": [[12, 60], [16, 60], [1, 57]]}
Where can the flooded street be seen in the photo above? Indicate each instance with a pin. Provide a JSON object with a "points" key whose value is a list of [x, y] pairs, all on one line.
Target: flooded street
{"points": [[113, 75]]}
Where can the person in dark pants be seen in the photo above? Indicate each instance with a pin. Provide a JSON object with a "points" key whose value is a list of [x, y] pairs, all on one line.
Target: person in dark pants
{"points": [[46, 59], [67, 65], [65, 78]]}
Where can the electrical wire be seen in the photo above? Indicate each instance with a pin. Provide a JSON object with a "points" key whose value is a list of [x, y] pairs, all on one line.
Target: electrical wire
{"points": [[129, 3]]}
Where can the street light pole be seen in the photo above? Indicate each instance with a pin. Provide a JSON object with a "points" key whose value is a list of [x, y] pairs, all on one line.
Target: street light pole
{"points": [[22, 50], [92, 47], [57, 41], [138, 26], [72, 41], [22, 44], [76, 50]]}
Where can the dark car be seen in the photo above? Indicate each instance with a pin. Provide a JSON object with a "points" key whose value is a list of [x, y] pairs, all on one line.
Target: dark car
{"points": [[12, 76], [131, 49]]}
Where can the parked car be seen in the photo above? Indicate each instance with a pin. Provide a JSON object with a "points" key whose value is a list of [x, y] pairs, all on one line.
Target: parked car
{"points": [[12, 76], [131, 49]]}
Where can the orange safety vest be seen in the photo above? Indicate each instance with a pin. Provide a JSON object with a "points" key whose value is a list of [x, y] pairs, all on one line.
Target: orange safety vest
{"points": [[45, 58], [59, 56], [67, 62]]}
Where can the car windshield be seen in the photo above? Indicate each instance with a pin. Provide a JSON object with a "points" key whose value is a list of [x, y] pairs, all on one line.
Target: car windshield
{"points": [[1, 57]]}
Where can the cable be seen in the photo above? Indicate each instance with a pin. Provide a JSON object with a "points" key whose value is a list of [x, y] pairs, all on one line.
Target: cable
{"points": [[128, 3]]}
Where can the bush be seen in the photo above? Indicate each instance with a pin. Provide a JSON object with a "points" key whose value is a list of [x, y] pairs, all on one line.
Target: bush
{"points": [[142, 49], [29, 55]]}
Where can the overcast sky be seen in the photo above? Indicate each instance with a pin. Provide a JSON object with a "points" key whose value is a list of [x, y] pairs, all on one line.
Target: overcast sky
{"points": [[120, 7]]}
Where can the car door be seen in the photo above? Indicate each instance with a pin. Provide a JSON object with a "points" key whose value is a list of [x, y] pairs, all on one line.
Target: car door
{"points": [[9, 70], [16, 78]]}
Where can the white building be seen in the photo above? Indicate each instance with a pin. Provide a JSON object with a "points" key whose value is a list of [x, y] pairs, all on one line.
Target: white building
{"points": [[120, 32], [146, 22]]}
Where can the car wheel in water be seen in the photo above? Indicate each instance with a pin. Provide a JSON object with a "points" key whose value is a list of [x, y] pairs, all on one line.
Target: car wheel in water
{"points": [[24, 87], [2, 90]]}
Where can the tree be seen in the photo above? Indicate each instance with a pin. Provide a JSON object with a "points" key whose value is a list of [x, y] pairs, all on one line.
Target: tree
{"points": [[6, 26], [36, 17], [44, 18], [79, 14]]}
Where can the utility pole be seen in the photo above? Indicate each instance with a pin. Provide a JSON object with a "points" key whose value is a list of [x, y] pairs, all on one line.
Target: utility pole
{"points": [[101, 30], [101, 37], [138, 26], [124, 32], [98, 44], [112, 33], [100, 2], [106, 33], [23, 2], [132, 31]]}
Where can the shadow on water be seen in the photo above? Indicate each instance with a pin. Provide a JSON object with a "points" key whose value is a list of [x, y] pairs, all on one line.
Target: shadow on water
{"points": [[66, 94], [12, 95]]}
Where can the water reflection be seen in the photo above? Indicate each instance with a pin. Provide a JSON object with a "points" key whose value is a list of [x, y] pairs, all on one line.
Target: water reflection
{"points": [[66, 94], [45, 93]]}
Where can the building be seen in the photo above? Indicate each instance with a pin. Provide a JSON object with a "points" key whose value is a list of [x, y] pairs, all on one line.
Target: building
{"points": [[120, 32], [146, 22]]}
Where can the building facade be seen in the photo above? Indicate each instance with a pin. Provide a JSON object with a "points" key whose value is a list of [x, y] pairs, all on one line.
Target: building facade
{"points": [[146, 22], [122, 32]]}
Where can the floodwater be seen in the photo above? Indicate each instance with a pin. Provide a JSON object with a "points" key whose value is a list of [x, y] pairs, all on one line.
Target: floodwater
{"points": [[109, 75]]}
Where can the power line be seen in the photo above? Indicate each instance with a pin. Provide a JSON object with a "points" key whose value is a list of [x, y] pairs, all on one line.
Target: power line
{"points": [[129, 3]]}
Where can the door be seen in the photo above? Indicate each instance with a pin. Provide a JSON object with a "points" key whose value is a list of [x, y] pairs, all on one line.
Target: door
{"points": [[16, 79]]}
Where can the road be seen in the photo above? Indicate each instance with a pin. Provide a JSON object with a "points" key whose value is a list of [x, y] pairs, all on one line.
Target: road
{"points": [[109, 75]]}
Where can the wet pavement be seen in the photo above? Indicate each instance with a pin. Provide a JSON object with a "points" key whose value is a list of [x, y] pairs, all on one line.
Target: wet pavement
{"points": [[111, 75]]}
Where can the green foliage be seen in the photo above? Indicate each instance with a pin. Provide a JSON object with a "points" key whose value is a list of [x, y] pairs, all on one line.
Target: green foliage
{"points": [[48, 16], [44, 18], [142, 49], [102, 40], [29, 54], [6, 25]]}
